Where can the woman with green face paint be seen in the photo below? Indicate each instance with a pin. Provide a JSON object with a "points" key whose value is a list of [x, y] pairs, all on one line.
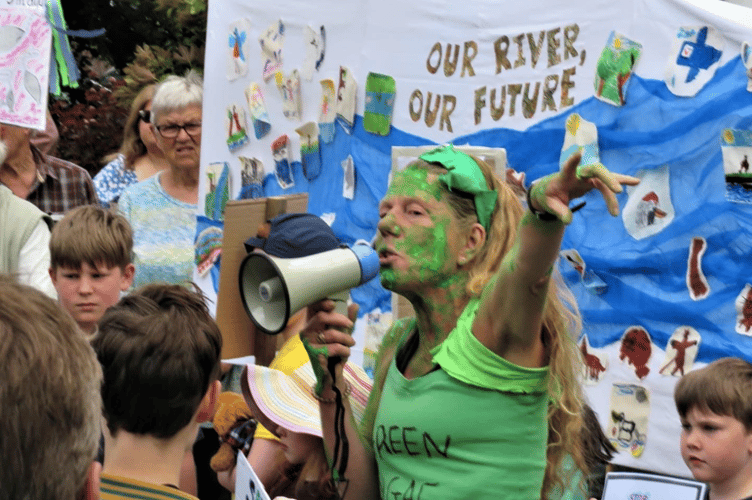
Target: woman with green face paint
{"points": [[477, 396]]}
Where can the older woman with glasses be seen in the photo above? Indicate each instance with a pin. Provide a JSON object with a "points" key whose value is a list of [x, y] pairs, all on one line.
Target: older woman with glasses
{"points": [[139, 156], [162, 209]]}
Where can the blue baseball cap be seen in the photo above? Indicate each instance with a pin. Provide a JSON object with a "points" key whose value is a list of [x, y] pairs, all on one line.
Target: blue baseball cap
{"points": [[295, 235]]}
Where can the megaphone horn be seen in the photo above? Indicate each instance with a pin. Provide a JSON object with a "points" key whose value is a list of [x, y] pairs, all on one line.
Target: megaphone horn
{"points": [[274, 288]]}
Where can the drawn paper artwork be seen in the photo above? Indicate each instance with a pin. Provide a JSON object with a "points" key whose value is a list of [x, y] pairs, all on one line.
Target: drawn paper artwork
{"points": [[635, 350], [596, 362], [642, 486], [237, 45], [379, 106], [289, 89], [282, 162], [236, 125], [25, 45], [697, 284], [681, 351], [695, 56], [247, 483], [260, 118], [218, 180], [649, 209], [315, 50], [272, 41], [208, 248], [348, 180], [630, 409], [743, 305], [589, 279], [346, 98], [615, 67], [581, 135], [251, 178], [746, 55], [736, 146], [328, 111], [310, 156]]}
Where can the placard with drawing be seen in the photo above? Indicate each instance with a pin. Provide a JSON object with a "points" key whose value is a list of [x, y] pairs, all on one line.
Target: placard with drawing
{"points": [[247, 484], [640, 486]]}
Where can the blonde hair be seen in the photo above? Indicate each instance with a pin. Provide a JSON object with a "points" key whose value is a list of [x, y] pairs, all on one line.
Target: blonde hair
{"points": [[93, 235], [50, 407], [561, 319], [132, 147], [724, 387]]}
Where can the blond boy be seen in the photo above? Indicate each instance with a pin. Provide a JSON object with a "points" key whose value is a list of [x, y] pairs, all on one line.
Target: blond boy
{"points": [[91, 262], [715, 406]]}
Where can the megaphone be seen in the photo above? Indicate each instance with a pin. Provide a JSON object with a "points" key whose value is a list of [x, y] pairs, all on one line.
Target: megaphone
{"points": [[274, 288]]}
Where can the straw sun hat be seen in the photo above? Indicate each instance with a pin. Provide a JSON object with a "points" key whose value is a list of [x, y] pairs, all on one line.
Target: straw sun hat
{"points": [[287, 401]]}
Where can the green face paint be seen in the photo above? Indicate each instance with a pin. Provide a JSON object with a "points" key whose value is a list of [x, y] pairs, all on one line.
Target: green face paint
{"points": [[422, 239], [415, 182]]}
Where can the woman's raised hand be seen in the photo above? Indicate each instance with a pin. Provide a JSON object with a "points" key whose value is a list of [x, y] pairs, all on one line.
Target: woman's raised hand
{"points": [[554, 192]]}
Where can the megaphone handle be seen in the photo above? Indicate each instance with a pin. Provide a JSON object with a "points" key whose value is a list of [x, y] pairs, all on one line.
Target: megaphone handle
{"points": [[340, 306]]}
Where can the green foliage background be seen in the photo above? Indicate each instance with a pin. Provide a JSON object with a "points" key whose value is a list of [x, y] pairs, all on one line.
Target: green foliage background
{"points": [[145, 40]]}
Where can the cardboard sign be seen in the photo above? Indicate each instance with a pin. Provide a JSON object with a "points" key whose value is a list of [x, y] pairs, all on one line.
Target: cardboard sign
{"points": [[242, 219]]}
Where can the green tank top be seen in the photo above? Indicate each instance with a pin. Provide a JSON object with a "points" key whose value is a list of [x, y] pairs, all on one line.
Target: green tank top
{"points": [[475, 428]]}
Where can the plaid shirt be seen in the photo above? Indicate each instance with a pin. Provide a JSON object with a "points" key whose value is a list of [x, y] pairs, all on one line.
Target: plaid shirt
{"points": [[60, 185]]}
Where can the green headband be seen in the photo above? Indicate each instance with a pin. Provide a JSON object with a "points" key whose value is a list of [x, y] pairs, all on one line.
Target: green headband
{"points": [[464, 175]]}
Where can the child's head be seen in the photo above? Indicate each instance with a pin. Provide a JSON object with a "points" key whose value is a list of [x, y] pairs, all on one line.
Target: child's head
{"points": [[49, 397], [90, 262], [715, 406], [724, 387], [285, 405], [160, 353]]}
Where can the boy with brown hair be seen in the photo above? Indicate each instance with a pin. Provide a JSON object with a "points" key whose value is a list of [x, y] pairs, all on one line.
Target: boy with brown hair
{"points": [[715, 406], [91, 262], [50, 406], [160, 353]]}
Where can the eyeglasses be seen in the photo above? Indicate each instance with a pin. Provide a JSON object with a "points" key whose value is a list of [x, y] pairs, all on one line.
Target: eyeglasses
{"points": [[172, 131], [145, 115]]}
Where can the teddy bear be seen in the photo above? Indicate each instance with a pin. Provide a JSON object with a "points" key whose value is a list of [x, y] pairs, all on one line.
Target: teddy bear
{"points": [[235, 425]]}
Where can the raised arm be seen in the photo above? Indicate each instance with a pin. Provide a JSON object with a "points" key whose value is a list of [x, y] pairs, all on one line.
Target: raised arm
{"points": [[510, 316]]}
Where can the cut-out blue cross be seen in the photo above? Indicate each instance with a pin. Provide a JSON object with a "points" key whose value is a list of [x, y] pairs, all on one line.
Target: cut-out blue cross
{"points": [[697, 55]]}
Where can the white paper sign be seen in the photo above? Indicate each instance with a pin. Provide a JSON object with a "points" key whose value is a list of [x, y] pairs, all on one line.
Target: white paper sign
{"points": [[25, 45], [638, 486], [247, 484]]}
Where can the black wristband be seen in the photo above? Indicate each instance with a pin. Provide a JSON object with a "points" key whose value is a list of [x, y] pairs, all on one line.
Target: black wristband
{"points": [[540, 214]]}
